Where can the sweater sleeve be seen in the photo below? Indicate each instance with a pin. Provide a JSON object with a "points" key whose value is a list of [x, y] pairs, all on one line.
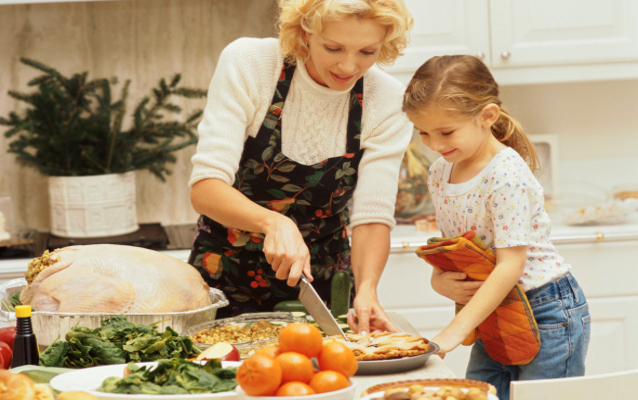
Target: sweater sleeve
{"points": [[386, 133], [237, 95]]}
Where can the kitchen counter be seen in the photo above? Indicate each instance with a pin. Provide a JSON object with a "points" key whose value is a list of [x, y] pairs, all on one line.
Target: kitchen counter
{"points": [[405, 238]]}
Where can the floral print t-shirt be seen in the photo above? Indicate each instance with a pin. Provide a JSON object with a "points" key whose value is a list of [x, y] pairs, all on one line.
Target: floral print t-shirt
{"points": [[503, 204]]}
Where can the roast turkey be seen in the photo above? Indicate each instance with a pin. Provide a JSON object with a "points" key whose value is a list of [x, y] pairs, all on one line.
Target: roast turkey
{"points": [[105, 278]]}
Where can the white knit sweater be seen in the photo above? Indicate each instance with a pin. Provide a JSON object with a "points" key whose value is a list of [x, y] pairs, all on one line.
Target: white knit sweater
{"points": [[314, 121]]}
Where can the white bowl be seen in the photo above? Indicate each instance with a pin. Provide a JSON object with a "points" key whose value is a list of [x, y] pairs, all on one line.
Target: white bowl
{"points": [[341, 394]]}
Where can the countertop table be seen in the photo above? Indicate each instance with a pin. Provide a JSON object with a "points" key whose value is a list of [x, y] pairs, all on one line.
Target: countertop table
{"points": [[434, 368]]}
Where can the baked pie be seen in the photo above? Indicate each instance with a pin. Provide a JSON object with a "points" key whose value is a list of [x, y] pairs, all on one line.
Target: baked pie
{"points": [[384, 345]]}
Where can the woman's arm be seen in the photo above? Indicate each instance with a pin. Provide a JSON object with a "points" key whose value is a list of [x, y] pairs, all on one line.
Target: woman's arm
{"points": [[370, 250], [284, 246], [508, 270]]}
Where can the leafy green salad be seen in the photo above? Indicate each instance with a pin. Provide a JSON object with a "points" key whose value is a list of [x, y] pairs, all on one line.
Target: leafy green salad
{"points": [[175, 376], [116, 341]]}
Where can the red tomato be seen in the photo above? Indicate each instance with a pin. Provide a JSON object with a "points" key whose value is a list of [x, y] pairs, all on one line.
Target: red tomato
{"points": [[6, 352], [8, 335], [1, 361]]}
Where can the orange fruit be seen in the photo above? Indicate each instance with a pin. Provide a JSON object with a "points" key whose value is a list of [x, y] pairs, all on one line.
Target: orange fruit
{"points": [[259, 375], [294, 389], [336, 356], [271, 351], [328, 381], [295, 367], [302, 338]]}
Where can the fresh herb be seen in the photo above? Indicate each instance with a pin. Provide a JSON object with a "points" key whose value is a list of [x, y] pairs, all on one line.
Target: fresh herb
{"points": [[174, 376], [14, 298], [117, 341]]}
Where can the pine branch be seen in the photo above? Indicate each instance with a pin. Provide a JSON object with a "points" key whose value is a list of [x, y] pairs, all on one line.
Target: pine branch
{"points": [[73, 125]]}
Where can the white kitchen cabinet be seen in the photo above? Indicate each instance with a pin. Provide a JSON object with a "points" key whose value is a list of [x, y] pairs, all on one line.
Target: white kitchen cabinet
{"points": [[528, 41], [603, 260]]}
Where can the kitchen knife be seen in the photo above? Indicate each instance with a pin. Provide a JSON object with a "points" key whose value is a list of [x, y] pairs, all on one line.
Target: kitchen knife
{"points": [[313, 303]]}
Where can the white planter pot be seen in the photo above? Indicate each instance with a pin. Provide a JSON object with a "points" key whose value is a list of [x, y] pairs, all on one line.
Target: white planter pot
{"points": [[93, 206]]}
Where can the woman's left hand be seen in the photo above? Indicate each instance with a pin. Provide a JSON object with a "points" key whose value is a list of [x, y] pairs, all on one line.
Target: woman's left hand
{"points": [[370, 316]]}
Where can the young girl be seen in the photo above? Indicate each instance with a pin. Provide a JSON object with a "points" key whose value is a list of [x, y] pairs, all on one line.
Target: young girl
{"points": [[482, 183]]}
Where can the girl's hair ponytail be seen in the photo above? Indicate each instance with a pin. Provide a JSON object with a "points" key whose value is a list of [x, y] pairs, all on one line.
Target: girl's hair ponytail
{"points": [[464, 85], [510, 132]]}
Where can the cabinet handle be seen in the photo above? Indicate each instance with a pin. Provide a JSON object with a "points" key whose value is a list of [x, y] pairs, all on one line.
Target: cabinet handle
{"points": [[506, 55], [480, 55]]}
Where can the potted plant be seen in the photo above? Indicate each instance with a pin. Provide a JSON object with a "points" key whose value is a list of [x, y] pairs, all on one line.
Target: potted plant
{"points": [[74, 132]]}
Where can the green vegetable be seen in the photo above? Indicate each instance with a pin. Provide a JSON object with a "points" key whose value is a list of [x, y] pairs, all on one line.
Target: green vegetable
{"points": [[299, 314], [290, 306], [42, 375], [340, 293], [117, 341], [175, 376], [342, 319]]}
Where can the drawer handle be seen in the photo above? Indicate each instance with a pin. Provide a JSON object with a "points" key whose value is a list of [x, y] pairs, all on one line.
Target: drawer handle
{"points": [[600, 236]]}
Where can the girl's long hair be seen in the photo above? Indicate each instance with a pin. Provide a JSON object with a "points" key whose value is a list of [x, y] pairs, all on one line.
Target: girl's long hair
{"points": [[464, 85]]}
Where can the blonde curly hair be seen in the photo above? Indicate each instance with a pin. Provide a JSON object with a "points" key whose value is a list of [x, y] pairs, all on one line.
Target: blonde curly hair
{"points": [[299, 16]]}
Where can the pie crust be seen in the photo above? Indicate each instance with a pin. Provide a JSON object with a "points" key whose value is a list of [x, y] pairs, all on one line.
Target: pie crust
{"points": [[441, 382], [384, 345]]}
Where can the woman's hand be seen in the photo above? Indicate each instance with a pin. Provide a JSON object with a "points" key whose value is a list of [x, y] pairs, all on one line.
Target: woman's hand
{"points": [[370, 316], [286, 251], [454, 286]]}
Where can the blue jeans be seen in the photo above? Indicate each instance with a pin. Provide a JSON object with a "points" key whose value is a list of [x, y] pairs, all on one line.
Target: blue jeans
{"points": [[563, 319]]}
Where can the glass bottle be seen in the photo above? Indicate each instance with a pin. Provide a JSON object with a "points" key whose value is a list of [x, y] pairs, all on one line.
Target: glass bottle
{"points": [[25, 345]]}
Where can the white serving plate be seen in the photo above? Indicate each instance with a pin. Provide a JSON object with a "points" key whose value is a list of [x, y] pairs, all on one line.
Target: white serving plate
{"points": [[342, 394], [90, 379]]}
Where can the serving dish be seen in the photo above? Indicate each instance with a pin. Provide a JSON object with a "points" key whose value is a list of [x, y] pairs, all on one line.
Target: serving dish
{"points": [[48, 326], [89, 379], [245, 320], [377, 391], [341, 394], [396, 365]]}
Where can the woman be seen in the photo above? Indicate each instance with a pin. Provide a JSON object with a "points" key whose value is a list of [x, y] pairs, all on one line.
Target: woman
{"points": [[293, 130]]}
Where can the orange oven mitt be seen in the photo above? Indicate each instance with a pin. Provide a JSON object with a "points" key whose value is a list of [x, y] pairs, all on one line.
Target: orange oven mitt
{"points": [[509, 333]]}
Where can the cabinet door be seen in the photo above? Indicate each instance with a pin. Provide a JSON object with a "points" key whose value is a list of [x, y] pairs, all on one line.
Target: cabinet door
{"points": [[444, 27], [612, 346], [549, 32]]}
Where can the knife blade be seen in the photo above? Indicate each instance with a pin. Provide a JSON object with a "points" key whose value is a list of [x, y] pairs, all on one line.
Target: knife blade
{"points": [[313, 303]]}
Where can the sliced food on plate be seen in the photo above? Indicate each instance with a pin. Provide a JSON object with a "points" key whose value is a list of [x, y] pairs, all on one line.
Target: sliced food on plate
{"points": [[384, 345]]}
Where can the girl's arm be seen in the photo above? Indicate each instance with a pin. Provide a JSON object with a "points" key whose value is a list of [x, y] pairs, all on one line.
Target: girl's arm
{"points": [[508, 270], [370, 250], [284, 246]]}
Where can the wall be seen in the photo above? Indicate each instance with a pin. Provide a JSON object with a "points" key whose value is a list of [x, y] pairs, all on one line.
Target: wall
{"points": [[141, 40], [596, 125], [147, 39]]}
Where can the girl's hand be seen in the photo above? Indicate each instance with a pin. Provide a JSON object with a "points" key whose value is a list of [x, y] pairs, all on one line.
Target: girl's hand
{"points": [[454, 286], [286, 251], [370, 316], [447, 342]]}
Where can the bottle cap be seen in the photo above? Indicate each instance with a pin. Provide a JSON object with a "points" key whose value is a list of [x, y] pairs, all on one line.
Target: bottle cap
{"points": [[23, 311]]}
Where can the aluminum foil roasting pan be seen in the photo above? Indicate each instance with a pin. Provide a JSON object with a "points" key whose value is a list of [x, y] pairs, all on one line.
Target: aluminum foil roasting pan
{"points": [[48, 326]]}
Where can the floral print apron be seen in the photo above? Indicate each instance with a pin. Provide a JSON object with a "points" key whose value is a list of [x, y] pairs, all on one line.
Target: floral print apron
{"points": [[314, 196]]}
